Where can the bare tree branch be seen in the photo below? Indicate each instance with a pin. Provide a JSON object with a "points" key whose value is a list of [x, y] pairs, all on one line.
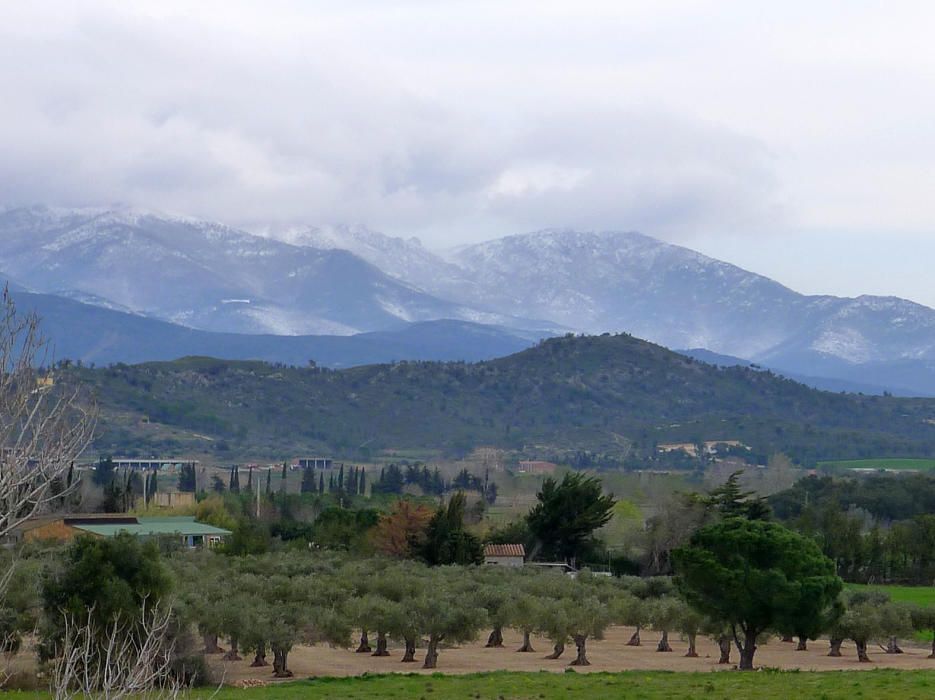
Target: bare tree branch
{"points": [[44, 425], [127, 658]]}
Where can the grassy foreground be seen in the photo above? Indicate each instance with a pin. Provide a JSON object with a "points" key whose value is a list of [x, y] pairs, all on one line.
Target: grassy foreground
{"points": [[878, 685]]}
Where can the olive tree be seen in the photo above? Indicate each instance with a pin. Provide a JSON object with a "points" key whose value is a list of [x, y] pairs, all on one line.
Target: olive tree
{"points": [[664, 614], [636, 612], [576, 614], [754, 576], [923, 621], [494, 594], [690, 623], [869, 615], [445, 614]]}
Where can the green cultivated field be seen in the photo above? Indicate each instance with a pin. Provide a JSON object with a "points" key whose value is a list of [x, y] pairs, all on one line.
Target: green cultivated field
{"points": [[879, 463], [918, 595], [763, 685]]}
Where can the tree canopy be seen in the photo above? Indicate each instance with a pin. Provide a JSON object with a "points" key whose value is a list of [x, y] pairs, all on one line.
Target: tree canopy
{"points": [[567, 514], [754, 576]]}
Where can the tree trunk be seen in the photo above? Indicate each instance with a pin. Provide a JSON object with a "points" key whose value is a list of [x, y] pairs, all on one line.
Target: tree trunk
{"points": [[581, 659], [747, 651], [932, 655], [663, 644], [557, 650], [803, 644], [280, 667], [835, 647], [364, 647], [862, 652], [723, 644], [893, 647], [692, 652], [232, 655], [381, 645], [635, 639], [527, 644], [259, 659], [410, 655], [211, 644], [496, 638], [431, 652], [787, 638]]}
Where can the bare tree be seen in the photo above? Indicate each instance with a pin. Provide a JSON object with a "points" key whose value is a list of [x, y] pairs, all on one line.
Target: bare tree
{"points": [[44, 425], [129, 658]]}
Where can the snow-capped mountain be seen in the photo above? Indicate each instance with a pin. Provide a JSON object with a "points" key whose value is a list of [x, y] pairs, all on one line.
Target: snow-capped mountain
{"points": [[209, 276], [348, 279], [403, 258], [622, 281]]}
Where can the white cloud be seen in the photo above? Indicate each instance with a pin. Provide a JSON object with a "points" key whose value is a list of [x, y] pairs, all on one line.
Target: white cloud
{"points": [[471, 119]]}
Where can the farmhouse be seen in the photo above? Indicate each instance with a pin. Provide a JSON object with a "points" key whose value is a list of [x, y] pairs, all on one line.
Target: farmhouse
{"points": [[64, 528], [536, 467], [710, 447], [504, 554], [172, 465], [313, 463]]}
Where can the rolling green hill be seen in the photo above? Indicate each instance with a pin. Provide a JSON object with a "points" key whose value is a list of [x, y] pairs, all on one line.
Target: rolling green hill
{"points": [[613, 395]]}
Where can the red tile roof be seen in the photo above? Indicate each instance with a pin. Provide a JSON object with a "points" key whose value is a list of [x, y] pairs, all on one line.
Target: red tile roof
{"points": [[504, 550]]}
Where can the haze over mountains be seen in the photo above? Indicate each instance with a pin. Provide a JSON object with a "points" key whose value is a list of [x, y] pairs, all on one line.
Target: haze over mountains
{"points": [[345, 280]]}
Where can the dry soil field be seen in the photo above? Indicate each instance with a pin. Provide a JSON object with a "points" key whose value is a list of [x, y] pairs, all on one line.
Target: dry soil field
{"points": [[609, 654]]}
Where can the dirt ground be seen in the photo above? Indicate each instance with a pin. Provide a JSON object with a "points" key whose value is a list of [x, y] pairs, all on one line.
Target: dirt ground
{"points": [[609, 654]]}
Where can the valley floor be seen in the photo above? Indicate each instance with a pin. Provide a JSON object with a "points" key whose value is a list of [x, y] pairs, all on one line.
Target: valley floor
{"points": [[609, 654]]}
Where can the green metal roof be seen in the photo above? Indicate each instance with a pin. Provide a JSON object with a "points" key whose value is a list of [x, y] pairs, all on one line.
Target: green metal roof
{"points": [[150, 527]]}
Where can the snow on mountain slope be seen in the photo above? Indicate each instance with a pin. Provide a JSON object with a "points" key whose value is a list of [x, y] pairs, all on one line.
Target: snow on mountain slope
{"points": [[188, 271], [403, 258], [346, 279]]}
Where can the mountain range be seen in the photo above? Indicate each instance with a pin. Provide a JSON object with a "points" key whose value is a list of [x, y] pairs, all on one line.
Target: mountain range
{"points": [[352, 281], [607, 400]]}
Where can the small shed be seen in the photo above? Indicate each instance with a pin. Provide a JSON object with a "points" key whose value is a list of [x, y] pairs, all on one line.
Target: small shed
{"points": [[504, 554]]}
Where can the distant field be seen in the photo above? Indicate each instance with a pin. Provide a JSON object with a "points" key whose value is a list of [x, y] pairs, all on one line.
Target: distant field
{"points": [[918, 595], [880, 685], [879, 463]]}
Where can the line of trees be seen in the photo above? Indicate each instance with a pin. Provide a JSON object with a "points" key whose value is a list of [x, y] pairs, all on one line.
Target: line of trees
{"points": [[395, 477], [877, 529]]}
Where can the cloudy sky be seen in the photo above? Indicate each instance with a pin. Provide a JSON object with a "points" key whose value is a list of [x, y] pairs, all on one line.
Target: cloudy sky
{"points": [[796, 139]]}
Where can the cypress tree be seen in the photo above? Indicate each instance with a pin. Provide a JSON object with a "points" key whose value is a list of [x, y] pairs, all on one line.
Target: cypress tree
{"points": [[250, 480], [308, 480], [341, 477], [269, 481], [362, 486], [321, 483]]}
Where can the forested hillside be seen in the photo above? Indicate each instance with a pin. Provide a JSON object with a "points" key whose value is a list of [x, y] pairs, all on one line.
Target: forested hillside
{"points": [[612, 395]]}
